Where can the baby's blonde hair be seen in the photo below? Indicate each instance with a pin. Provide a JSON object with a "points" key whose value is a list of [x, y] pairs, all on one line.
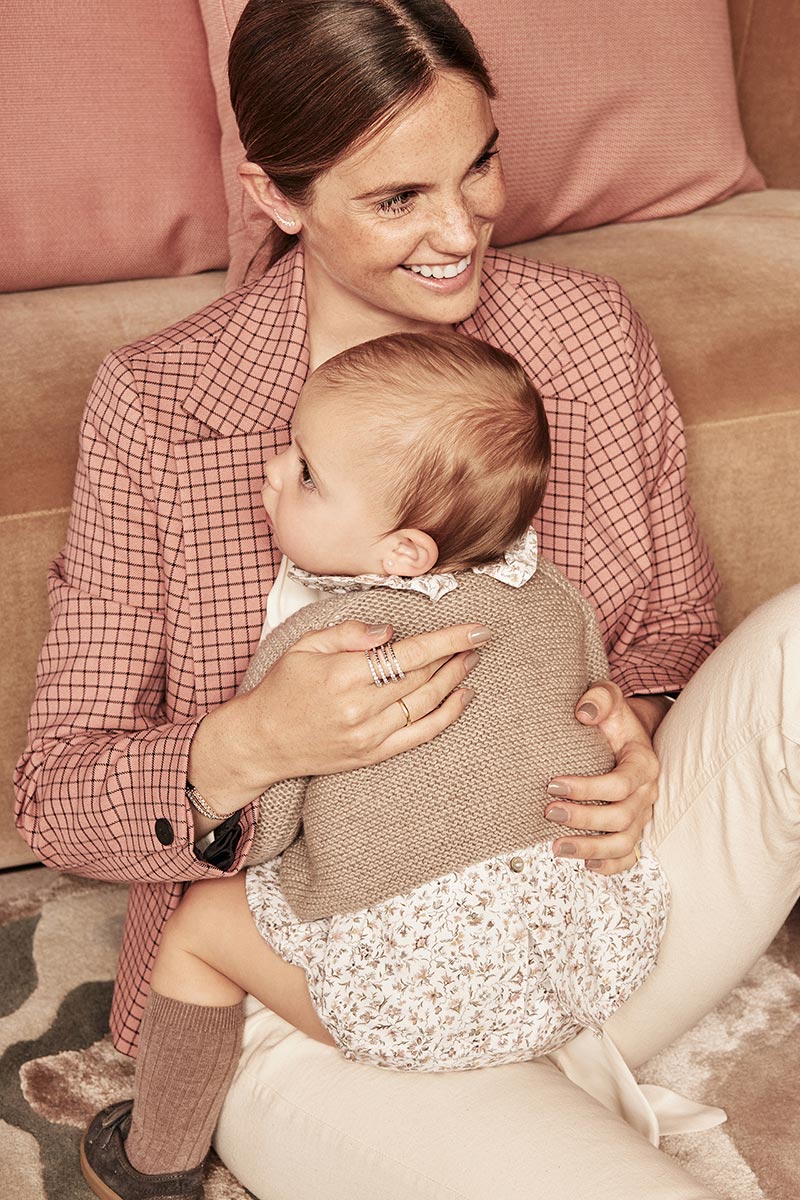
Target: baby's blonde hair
{"points": [[458, 434]]}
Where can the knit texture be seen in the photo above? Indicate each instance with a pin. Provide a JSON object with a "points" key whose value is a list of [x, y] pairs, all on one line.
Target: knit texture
{"points": [[480, 787], [187, 1056]]}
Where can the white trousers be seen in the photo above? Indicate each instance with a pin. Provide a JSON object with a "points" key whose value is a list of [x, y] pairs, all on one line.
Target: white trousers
{"points": [[302, 1123]]}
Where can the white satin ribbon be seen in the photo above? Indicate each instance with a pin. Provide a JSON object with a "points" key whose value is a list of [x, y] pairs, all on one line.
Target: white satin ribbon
{"points": [[594, 1063]]}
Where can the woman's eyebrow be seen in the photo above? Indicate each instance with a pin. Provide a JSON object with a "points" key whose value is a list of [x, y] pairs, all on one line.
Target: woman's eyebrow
{"points": [[392, 189]]}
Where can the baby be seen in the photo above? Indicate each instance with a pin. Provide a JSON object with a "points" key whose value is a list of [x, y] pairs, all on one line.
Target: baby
{"points": [[411, 913]]}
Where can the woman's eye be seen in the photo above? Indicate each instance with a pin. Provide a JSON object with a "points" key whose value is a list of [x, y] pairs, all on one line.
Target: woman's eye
{"points": [[306, 480], [483, 163], [396, 205]]}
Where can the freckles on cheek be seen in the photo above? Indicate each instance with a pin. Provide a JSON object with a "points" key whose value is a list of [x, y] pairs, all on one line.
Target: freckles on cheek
{"points": [[388, 245]]}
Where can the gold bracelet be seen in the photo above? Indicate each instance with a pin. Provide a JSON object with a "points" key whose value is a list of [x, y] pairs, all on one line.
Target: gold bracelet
{"points": [[202, 806]]}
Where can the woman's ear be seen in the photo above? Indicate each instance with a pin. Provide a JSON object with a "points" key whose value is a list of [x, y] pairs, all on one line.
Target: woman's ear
{"points": [[408, 552], [269, 198]]}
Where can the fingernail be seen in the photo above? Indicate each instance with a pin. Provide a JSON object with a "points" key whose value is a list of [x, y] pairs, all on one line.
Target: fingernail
{"points": [[472, 660], [373, 630], [558, 789], [589, 710], [566, 850], [467, 695], [558, 814], [594, 863], [479, 635]]}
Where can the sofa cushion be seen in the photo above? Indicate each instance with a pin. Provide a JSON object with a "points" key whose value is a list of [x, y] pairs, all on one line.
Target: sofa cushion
{"points": [[111, 144], [611, 112], [766, 37], [720, 290], [54, 341], [605, 113]]}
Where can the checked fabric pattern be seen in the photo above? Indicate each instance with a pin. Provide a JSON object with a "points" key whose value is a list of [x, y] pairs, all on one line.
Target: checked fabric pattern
{"points": [[157, 600]]}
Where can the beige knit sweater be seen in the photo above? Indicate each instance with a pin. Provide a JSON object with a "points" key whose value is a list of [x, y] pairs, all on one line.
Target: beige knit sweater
{"points": [[476, 790]]}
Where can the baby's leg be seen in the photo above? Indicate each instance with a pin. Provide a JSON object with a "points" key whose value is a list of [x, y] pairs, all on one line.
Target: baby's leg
{"points": [[211, 954]]}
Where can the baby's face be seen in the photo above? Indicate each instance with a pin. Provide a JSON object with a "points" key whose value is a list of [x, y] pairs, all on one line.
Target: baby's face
{"points": [[325, 505]]}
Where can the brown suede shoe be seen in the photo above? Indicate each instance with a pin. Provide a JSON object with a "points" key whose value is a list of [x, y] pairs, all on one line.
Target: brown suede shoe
{"points": [[108, 1173]]}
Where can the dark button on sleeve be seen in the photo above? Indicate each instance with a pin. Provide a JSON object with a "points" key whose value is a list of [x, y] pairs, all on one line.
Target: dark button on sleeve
{"points": [[164, 832]]}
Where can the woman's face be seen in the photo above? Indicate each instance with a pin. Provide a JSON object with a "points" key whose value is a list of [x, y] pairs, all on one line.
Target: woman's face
{"points": [[395, 233]]}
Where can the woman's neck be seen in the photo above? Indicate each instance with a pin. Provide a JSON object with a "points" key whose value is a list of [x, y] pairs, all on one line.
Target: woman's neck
{"points": [[337, 322]]}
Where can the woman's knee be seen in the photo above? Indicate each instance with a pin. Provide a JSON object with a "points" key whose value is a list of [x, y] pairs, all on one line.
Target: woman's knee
{"points": [[304, 1113], [769, 632], [730, 747], [750, 682]]}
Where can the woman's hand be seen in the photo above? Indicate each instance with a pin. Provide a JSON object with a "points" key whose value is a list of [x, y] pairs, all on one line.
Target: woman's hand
{"points": [[317, 710], [631, 788]]}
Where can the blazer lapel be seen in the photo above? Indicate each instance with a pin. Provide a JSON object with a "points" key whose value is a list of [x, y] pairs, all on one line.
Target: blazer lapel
{"points": [[230, 557], [259, 362], [245, 396]]}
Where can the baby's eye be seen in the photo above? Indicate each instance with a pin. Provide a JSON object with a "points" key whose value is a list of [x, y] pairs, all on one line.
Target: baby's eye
{"points": [[396, 205], [306, 479]]}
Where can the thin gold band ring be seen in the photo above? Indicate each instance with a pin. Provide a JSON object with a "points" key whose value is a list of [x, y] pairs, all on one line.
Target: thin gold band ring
{"points": [[404, 707]]}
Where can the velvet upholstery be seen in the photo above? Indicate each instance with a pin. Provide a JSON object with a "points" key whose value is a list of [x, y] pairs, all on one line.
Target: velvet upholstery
{"points": [[766, 37], [110, 143]]}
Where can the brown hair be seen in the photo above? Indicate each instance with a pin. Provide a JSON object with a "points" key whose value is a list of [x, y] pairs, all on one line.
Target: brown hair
{"points": [[310, 79], [459, 436]]}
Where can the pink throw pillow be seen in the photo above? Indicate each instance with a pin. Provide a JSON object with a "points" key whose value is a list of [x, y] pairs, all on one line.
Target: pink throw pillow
{"points": [[111, 144], [610, 112]]}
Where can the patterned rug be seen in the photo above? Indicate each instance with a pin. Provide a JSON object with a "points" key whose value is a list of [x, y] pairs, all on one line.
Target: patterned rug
{"points": [[58, 944]]}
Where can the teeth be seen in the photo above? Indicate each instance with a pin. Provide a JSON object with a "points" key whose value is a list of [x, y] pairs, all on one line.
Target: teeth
{"points": [[447, 272]]}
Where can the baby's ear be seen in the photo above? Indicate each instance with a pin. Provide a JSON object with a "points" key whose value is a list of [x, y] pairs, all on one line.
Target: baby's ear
{"points": [[408, 552]]}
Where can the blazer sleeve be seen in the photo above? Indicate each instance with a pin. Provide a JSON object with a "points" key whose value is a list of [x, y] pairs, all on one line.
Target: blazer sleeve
{"points": [[669, 625], [100, 786]]}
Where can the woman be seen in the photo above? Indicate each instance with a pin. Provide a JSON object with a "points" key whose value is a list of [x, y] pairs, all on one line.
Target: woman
{"points": [[371, 145]]}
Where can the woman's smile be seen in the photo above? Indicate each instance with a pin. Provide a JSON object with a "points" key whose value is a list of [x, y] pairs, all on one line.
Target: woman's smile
{"points": [[449, 271], [443, 277]]}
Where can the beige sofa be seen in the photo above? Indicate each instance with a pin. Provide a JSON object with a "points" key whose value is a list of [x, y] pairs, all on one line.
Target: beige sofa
{"points": [[720, 289]]}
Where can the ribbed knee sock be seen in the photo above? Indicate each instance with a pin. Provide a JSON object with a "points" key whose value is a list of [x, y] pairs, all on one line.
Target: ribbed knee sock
{"points": [[187, 1057]]}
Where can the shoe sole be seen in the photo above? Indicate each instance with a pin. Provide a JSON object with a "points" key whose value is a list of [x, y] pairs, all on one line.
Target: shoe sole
{"points": [[98, 1186]]}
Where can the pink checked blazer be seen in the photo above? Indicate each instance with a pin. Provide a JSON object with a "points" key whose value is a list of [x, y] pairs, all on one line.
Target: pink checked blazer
{"points": [[157, 600]]}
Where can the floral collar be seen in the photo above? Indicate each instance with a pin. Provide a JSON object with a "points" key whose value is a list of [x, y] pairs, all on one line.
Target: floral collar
{"points": [[516, 567]]}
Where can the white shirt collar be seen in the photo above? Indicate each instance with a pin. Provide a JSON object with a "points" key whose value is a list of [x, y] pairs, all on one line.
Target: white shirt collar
{"points": [[515, 568]]}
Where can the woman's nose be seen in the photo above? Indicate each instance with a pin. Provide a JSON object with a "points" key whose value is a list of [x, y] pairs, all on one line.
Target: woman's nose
{"points": [[455, 232]]}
